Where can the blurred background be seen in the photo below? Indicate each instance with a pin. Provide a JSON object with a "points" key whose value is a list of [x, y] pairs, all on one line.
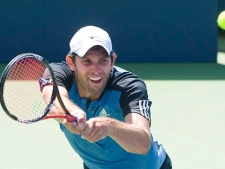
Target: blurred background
{"points": [[141, 31], [221, 33]]}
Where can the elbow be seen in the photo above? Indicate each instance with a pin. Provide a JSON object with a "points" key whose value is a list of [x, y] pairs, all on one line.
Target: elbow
{"points": [[145, 148], [142, 148], [146, 145]]}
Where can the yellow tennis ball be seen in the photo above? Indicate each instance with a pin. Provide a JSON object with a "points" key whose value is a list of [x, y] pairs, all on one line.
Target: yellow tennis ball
{"points": [[221, 20]]}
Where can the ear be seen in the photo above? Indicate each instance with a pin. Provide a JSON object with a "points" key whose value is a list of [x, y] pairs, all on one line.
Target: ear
{"points": [[70, 63], [114, 56]]}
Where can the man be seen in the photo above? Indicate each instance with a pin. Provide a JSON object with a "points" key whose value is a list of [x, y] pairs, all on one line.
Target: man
{"points": [[111, 105]]}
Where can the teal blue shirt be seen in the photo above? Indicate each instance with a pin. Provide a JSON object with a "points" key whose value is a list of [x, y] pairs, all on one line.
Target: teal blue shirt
{"points": [[123, 94]]}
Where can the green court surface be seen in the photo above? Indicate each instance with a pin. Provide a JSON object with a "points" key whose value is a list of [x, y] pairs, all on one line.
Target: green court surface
{"points": [[188, 113]]}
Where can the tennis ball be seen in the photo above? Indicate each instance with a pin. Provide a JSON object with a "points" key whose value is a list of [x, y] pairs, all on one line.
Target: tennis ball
{"points": [[221, 20]]}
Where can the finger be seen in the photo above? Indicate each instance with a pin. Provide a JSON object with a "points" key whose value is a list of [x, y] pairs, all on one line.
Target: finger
{"points": [[95, 137], [72, 127], [81, 120], [68, 124], [92, 132], [90, 127]]}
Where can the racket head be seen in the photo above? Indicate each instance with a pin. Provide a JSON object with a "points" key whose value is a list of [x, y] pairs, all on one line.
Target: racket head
{"points": [[20, 95]]}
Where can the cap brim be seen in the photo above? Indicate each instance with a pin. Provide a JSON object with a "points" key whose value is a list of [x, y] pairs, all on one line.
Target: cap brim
{"points": [[82, 51]]}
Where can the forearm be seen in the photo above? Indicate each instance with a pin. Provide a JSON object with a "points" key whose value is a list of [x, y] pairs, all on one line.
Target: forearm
{"points": [[57, 108], [132, 137]]}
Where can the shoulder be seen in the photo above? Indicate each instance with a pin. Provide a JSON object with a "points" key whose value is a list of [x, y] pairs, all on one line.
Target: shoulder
{"points": [[59, 66], [133, 90], [122, 79], [63, 74]]}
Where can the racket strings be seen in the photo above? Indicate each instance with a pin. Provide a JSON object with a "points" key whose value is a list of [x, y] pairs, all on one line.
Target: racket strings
{"points": [[22, 94]]}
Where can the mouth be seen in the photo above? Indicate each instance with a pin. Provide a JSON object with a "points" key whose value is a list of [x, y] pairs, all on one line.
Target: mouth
{"points": [[95, 79]]}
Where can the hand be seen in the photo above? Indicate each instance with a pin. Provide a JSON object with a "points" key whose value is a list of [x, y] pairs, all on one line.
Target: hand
{"points": [[96, 129], [79, 126]]}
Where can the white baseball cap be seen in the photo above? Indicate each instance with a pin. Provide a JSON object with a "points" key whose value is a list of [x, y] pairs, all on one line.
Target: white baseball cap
{"points": [[87, 37]]}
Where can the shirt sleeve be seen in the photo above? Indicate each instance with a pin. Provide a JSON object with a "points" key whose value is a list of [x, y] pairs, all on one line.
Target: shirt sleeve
{"points": [[134, 99], [63, 74]]}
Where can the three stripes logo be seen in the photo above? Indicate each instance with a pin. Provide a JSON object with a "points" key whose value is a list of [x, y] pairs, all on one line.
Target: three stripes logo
{"points": [[103, 113], [144, 106]]}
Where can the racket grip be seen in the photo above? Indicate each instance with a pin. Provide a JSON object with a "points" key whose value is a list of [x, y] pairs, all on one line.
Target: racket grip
{"points": [[71, 118]]}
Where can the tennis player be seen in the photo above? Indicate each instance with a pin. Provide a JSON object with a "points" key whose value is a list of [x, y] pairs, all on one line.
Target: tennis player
{"points": [[111, 104]]}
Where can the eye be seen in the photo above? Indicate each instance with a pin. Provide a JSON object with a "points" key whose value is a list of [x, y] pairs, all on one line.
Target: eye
{"points": [[86, 61], [103, 60]]}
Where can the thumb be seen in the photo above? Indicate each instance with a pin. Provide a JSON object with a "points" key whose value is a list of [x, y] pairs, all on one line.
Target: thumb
{"points": [[81, 122]]}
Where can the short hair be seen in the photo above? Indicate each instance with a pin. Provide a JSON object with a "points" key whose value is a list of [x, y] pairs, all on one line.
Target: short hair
{"points": [[94, 48]]}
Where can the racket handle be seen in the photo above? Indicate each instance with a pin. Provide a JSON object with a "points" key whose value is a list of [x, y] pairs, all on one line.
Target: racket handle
{"points": [[63, 116], [71, 118]]}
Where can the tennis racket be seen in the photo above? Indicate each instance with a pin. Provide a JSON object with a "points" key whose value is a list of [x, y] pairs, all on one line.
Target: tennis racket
{"points": [[20, 94]]}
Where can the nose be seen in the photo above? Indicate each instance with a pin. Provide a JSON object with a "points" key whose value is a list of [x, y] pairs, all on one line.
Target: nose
{"points": [[96, 68]]}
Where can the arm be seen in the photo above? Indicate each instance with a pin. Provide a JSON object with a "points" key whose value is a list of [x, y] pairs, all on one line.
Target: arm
{"points": [[71, 107], [133, 134]]}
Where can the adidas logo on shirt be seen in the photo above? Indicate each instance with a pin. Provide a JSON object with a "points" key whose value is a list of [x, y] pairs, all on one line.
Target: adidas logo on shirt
{"points": [[103, 113]]}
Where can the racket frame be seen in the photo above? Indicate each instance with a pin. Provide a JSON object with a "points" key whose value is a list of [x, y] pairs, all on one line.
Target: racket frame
{"points": [[55, 91]]}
